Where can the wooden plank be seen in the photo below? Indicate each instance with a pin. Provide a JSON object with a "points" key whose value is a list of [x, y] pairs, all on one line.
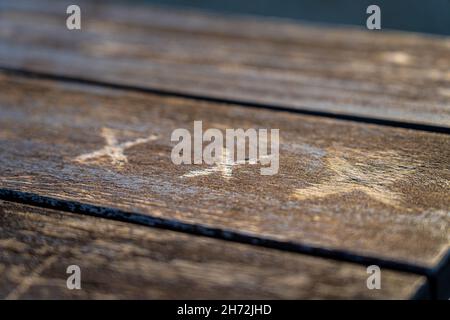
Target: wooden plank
{"points": [[124, 261], [364, 189], [387, 75]]}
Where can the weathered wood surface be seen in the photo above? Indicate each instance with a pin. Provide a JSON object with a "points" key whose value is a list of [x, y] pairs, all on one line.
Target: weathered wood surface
{"points": [[365, 189], [383, 75], [123, 261]]}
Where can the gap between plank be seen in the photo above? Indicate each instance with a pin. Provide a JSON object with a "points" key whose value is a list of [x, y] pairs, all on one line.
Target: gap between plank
{"points": [[241, 103], [233, 236]]}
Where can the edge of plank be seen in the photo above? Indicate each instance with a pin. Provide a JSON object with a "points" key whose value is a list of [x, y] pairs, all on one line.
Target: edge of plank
{"points": [[435, 286]]}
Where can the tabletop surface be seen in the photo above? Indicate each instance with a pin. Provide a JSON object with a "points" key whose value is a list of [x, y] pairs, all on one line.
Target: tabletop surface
{"points": [[86, 176]]}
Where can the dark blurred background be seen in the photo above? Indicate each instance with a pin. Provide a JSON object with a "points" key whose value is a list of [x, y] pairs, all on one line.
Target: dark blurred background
{"points": [[427, 16]]}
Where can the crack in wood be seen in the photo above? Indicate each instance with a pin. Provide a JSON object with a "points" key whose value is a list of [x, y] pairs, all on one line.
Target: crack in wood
{"points": [[225, 101]]}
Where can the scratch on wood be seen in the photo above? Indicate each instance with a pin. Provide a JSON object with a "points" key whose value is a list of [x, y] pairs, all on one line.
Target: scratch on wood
{"points": [[224, 167], [397, 57], [373, 176], [26, 284], [113, 149]]}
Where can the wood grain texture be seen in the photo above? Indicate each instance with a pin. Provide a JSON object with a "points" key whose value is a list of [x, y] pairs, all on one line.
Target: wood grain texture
{"points": [[384, 75], [123, 261], [366, 189]]}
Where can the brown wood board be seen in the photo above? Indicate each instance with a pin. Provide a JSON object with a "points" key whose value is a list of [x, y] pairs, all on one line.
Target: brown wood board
{"points": [[391, 76], [365, 190], [124, 261]]}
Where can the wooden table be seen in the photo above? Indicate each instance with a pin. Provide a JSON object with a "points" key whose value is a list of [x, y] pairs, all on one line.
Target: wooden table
{"points": [[364, 176]]}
